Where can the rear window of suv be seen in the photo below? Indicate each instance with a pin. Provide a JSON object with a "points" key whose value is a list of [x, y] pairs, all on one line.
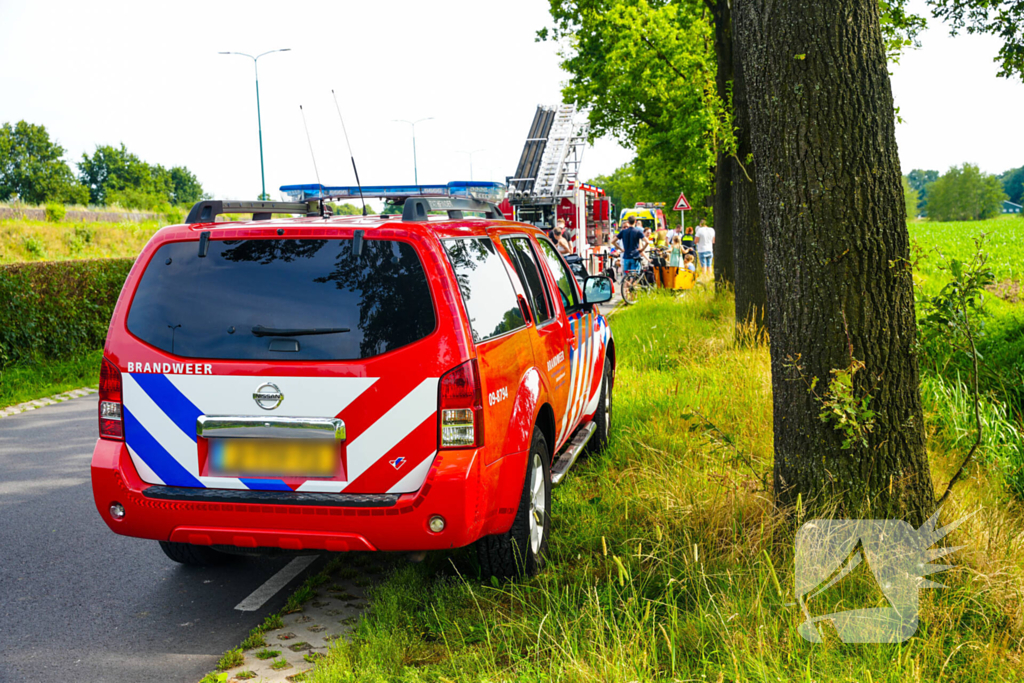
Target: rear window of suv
{"points": [[260, 299]]}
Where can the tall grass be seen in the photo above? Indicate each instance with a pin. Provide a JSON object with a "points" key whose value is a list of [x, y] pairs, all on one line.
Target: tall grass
{"points": [[28, 240], [669, 560]]}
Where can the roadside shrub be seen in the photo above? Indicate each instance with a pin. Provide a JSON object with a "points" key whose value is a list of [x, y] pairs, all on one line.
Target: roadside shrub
{"points": [[55, 212], [174, 215], [34, 246], [129, 198], [78, 237], [56, 309]]}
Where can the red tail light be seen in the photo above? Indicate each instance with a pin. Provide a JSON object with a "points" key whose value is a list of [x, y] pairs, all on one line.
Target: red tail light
{"points": [[460, 408], [111, 424]]}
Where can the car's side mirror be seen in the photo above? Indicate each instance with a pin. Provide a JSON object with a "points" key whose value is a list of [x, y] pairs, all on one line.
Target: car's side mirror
{"points": [[597, 289]]}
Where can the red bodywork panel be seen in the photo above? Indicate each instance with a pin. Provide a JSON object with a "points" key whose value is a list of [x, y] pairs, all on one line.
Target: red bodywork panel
{"points": [[391, 417]]}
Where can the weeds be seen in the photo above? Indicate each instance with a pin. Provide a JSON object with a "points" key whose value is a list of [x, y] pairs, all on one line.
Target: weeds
{"points": [[55, 212], [231, 659], [254, 640], [952, 314], [34, 246]]}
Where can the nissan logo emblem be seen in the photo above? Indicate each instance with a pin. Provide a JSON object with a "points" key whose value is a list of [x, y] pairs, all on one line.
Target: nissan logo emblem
{"points": [[267, 396]]}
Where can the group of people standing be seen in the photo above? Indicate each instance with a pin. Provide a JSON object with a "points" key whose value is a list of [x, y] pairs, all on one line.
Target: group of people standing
{"points": [[682, 245]]}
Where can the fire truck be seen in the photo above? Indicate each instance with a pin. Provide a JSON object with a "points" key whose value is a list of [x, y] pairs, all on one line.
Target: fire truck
{"points": [[546, 186]]}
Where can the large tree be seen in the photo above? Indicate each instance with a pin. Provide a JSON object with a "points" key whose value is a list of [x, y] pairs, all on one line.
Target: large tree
{"points": [[1013, 184], [624, 187], [848, 423], [32, 167], [964, 193], [659, 75], [115, 174], [920, 180], [739, 257], [1003, 18]]}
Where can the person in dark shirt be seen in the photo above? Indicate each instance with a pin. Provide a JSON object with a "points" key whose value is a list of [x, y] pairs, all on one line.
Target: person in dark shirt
{"points": [[631, 241]]}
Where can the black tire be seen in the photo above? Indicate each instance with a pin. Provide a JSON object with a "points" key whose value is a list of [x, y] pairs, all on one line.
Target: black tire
{"points": [[630, 285], [603, 416], [192, 555], [513, 555]]}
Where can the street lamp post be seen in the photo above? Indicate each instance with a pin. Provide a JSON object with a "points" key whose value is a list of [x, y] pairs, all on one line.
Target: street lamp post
{"points": [[259, 122], [471, 153], [415, 170]]}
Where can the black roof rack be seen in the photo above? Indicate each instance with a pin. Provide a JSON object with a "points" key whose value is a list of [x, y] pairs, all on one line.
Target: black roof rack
{"points": [[207, 211], [417, 208]]}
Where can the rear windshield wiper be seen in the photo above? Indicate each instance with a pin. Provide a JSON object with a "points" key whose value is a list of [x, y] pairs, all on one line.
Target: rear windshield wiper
{"points": [[261, 331]]}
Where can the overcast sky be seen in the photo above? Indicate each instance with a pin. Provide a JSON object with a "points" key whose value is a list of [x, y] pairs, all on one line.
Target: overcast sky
{"points": [[148, 74]]}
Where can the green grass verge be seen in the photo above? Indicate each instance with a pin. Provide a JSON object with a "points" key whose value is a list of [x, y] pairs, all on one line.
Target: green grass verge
{"points": [[26, 382], [27, 240], [668, 559]]}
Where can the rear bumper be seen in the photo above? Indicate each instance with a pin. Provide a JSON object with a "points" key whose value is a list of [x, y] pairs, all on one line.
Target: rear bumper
{"points": [[474, 501]]}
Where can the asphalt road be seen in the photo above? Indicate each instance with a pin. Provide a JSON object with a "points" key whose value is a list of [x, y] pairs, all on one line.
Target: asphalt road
{"points": [[80, 603]]}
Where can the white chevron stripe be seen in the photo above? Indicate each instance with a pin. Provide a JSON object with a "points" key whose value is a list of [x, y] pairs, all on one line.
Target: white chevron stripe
{"points": [[223, 483], [145, 473], [591, 346], [574, 388], [160, 427], [414, 480], [573, 363], [583, 388], [389, 430], [598, 367], [322, 486], [303, 396]]}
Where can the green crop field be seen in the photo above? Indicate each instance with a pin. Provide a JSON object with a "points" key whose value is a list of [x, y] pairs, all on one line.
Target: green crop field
{"points": [[1003, 240]]}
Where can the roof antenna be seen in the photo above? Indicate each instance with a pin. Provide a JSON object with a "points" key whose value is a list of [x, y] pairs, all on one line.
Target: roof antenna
{"points": [[351, 156], [310, 141]]}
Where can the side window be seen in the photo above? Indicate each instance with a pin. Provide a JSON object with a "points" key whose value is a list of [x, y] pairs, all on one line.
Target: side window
{"points": [[525, 261], [491, 302], [563, 278]]}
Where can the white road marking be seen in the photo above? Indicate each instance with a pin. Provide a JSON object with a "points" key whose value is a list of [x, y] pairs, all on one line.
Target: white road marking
{"points": [[275, 583]]}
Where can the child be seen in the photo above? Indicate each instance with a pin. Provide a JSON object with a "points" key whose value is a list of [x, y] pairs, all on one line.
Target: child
{"points": [[675, 259], [688, 263]]}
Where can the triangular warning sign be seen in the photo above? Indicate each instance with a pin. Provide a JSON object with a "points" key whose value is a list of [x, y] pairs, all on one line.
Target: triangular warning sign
{"points": [[681, 203]]}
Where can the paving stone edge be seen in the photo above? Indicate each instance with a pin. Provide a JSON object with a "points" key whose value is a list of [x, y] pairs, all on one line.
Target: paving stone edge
{"points": [[47, 401]]}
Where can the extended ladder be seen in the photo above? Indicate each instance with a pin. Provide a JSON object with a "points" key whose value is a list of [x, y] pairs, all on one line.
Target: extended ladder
{"points": [[563, 153]]}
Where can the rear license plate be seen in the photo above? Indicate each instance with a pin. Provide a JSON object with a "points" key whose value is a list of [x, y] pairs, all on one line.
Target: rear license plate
{"points": [[274, 457]]}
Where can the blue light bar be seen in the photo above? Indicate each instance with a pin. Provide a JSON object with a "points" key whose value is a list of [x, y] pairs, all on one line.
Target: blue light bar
{"points": [[487, 191]]}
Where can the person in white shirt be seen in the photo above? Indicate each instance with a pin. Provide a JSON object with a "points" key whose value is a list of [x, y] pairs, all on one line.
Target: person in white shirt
{"points": [[705, 238]]}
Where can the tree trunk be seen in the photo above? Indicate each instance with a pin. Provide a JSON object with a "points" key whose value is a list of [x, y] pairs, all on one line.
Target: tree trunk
{"points": [[836, 250], [724, 165], [748, 246]]}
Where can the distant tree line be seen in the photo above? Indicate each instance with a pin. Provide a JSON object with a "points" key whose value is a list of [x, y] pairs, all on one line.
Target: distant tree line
{"points": [[963, 193], [33, 170]]}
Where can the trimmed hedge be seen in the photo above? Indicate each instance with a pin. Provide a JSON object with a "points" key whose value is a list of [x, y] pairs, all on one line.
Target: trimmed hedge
{"points": [[57, 309]]}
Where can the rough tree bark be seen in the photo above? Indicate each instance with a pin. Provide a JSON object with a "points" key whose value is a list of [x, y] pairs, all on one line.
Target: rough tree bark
{"points": [[739, 251], [725, 271], [748, 246], [836, 249]]}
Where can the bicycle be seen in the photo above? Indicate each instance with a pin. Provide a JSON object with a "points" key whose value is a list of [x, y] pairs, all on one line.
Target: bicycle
{"points": [[640, 279]]}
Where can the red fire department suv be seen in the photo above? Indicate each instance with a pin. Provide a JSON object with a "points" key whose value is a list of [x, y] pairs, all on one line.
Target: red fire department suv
{"points": [[407, 382]]}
